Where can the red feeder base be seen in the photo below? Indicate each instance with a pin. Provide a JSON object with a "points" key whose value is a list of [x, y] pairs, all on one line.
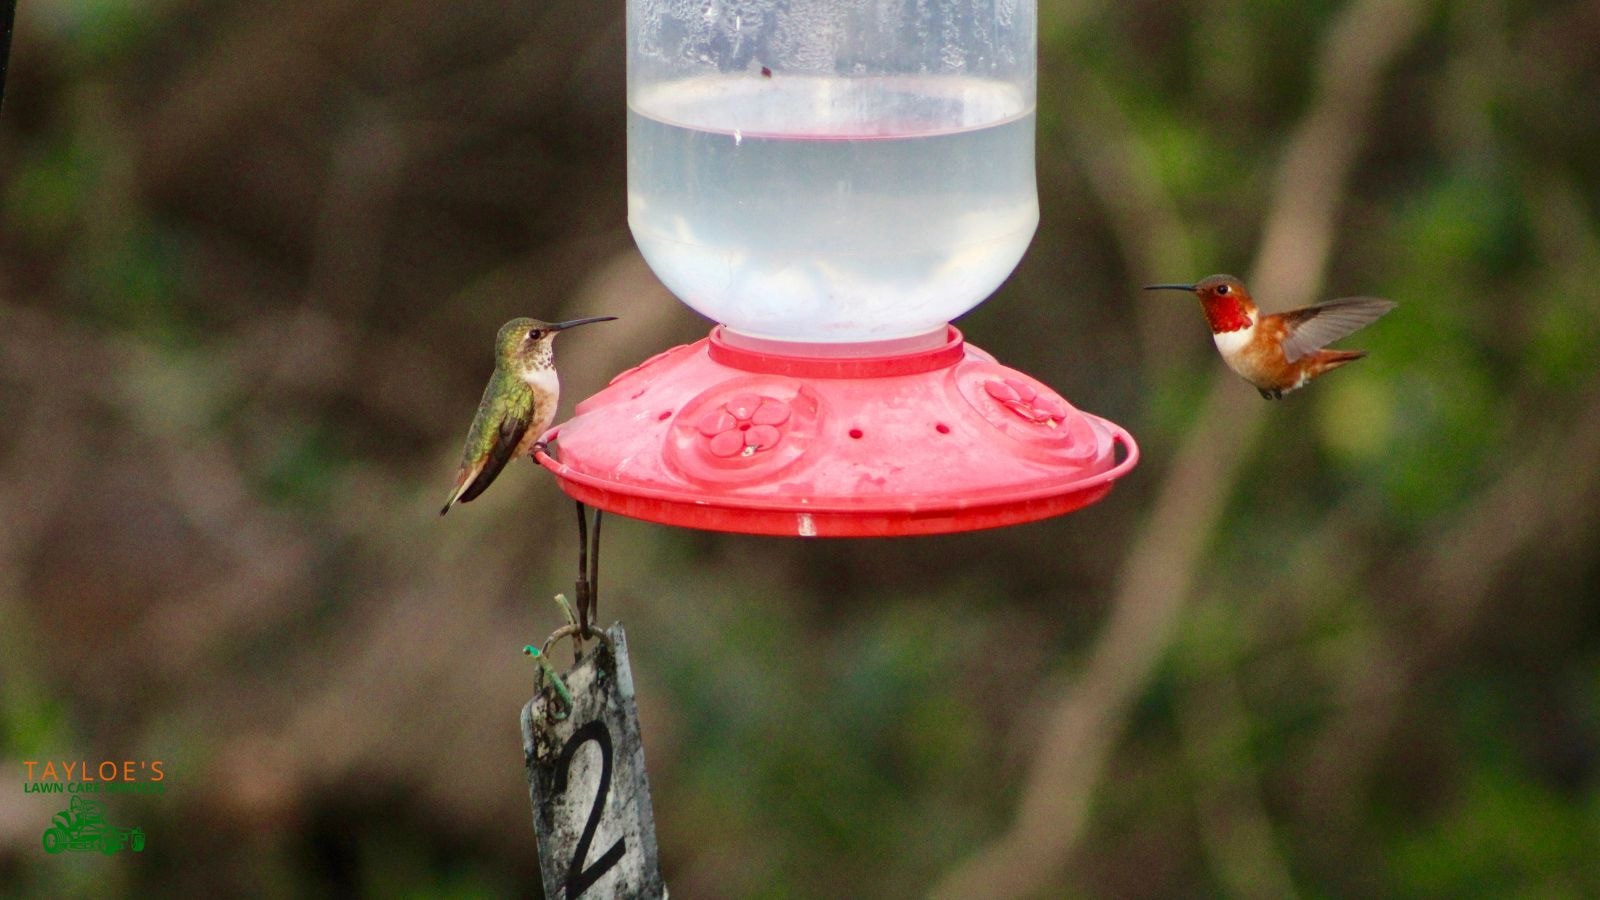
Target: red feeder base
{"points": [[721, 437]]}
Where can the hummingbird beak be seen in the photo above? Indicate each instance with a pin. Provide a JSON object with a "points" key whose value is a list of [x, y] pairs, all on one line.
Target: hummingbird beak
{"points": [[574, 323], [1170, 287]]}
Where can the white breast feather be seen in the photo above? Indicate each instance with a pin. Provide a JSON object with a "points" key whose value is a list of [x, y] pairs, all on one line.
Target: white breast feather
{"points": [[547, 387], [543, 380], [1231, 342]]}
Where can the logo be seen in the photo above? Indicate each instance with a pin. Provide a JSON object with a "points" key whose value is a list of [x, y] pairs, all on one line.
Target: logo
{"points": [[82, 826]]}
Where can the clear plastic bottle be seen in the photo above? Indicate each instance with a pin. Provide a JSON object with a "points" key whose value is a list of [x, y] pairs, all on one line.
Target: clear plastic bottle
{"points": [[837, 171]]}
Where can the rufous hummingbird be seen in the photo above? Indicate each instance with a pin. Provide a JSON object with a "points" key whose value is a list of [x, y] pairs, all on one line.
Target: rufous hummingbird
{"points": [[1278, 352], [518, 404]]}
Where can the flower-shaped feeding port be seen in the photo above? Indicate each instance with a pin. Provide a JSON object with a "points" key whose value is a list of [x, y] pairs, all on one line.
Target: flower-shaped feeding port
{"points": [[744, 426], [1026, 401]]}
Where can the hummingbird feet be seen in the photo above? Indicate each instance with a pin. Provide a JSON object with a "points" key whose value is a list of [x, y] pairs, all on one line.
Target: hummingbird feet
{"points": [[1270, 395]]}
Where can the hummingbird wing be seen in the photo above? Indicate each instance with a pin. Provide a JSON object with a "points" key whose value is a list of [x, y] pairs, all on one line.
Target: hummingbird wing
{"points": [[504, 415], [1311, 328]]}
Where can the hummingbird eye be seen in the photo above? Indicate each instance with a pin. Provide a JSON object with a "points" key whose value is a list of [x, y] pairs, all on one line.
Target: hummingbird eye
{"points": [[1222, 289]]}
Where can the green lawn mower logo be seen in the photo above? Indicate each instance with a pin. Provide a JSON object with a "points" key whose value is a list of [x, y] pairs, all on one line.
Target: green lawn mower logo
{"points": [[82, 826]]}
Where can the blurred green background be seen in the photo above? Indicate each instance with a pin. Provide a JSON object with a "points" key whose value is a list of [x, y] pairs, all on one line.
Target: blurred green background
{"points": [[251, 259]]}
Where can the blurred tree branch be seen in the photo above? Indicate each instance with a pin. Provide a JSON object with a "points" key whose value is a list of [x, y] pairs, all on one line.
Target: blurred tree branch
{"points": [[1086, 722], [1235, 828]]}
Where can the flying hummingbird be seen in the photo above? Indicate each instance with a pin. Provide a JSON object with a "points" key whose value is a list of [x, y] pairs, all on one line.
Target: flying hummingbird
{"points": [[1278, 352], [518, 405]]}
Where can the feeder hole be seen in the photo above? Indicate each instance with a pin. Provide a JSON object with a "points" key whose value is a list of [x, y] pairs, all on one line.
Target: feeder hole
{"points": [[855, 434], [665, 414], [942, 428]]}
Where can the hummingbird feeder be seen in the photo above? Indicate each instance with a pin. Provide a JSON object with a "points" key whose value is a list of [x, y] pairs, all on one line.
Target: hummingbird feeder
{"points": [[833, 182]]}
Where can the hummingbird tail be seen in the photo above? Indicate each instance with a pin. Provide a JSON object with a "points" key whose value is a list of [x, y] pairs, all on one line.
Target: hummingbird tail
{"points": [[1333, 359], [1327, 360], [463, 481]]}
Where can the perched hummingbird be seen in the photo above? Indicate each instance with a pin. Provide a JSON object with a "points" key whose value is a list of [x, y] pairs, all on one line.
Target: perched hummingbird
{"points": [[517, 406], [1278, 352]]}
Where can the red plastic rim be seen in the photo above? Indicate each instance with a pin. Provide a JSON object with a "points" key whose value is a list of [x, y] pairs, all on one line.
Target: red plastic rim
{"points": [[750, 517], [717, 437]]}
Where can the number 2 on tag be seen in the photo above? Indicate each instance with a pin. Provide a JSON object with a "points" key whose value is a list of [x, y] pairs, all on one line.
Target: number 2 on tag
{"points": [[580, 877]]}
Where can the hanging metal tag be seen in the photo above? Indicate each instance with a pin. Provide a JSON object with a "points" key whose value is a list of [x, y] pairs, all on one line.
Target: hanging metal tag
{"points": [[591, 800]]}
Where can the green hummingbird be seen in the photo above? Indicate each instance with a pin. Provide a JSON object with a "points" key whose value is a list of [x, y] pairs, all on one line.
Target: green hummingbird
{"points": [[518, 404]]}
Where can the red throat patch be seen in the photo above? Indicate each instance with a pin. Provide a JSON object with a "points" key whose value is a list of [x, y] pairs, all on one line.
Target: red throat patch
{"points": [[1225, 314]]}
